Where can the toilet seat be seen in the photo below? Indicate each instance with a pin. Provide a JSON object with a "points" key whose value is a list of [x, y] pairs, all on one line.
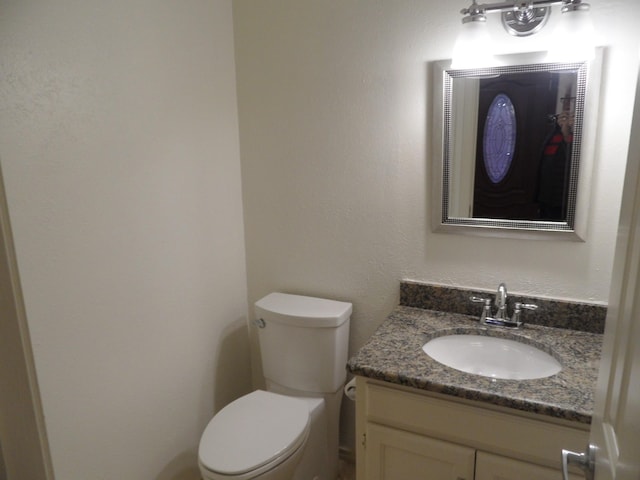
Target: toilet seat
{"points": [[254, 433]]}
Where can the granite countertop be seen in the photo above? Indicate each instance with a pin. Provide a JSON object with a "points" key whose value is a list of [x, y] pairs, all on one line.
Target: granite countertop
{"points": [[394, 354]]}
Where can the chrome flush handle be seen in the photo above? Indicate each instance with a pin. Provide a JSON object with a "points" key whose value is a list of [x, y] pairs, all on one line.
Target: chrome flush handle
{"points": [[259, 322]]}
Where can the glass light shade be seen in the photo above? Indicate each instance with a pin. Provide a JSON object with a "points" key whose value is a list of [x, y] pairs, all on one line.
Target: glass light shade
{"points": [[573, 39], [473, 46]]}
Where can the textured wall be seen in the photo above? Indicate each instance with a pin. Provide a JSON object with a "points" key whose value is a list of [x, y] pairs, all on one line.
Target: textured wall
{"points": [[119, 146], [335, 126]]}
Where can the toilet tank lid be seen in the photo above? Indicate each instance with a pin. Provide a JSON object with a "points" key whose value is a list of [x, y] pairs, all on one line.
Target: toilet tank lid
{"points": [[303, 311]]}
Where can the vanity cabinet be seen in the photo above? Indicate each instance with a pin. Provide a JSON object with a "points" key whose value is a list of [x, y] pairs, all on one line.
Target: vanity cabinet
{"points": [[405, 433]]}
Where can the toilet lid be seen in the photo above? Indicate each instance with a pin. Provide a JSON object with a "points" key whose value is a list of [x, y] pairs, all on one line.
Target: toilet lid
{"points": [[252, 431]]}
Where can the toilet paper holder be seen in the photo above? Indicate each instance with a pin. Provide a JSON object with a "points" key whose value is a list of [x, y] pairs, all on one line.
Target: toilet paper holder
{"points": [[350, 389]]}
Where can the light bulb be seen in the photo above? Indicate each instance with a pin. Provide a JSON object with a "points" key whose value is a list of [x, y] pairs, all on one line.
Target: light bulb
{"points": [[473, 45], [573, 39]]}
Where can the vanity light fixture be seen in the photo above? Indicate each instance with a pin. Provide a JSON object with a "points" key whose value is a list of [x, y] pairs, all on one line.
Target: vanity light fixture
{"points": [[573, 39]]}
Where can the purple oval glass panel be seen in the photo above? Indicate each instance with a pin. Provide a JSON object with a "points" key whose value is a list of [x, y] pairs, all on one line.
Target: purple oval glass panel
{"points": [[499, 139]]}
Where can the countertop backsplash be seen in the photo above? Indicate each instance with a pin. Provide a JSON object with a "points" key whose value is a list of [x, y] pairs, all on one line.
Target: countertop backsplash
{"points": [[584, 317]]}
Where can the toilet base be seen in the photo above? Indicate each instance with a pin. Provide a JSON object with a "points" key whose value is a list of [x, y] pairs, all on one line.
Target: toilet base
{"points": [[315, 462], [320, 459]]}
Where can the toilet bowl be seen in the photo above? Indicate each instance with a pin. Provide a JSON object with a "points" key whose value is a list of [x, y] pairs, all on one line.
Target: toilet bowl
{"points": [[290, 431]]}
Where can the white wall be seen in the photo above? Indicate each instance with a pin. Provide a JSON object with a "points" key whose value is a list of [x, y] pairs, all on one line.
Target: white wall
{"points": [[119, 146], [335, 141]]}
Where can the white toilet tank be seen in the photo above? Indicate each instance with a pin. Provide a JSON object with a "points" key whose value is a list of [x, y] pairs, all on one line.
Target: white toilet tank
{"points": [[303, 341]]}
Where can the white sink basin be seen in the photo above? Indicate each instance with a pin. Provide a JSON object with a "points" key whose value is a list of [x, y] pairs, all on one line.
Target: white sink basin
{"points": [[492, 357]]}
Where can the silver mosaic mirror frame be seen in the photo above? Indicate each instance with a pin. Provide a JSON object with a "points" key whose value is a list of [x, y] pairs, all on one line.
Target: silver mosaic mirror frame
{"points": [[574, 228]]}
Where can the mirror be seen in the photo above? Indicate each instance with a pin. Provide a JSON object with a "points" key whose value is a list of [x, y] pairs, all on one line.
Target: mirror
{"points": [[513, 147]]}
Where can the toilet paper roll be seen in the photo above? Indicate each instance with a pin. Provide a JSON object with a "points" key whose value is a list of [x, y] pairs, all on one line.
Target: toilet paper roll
{"points": [[350, 389]]}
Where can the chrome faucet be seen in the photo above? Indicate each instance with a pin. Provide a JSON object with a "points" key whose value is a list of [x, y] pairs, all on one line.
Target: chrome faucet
{"points": [[501, 302], [501, 318]]}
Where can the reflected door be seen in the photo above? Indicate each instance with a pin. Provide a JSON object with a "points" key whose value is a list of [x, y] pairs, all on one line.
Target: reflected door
{"points": [[515, 118]]}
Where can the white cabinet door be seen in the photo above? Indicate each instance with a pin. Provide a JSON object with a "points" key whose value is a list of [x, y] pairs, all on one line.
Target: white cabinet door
{"points": [[398, 455], [495, 467]]}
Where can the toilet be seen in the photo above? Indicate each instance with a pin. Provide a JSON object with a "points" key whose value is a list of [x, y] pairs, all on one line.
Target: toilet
{"points": [[290, 430]]}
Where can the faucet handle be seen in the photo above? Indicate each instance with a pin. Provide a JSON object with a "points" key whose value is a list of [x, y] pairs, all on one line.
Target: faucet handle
{"points": [[516, 311], [527, 306], [480, 300], [486, 311]]}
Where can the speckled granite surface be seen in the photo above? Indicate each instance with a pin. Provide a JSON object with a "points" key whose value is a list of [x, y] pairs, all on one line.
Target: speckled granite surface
{"points": [[550, 313], [394, 354]]}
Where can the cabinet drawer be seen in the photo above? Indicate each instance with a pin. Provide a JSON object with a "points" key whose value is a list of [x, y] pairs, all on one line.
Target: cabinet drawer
{"points": [[494, 467], [507, 434]]}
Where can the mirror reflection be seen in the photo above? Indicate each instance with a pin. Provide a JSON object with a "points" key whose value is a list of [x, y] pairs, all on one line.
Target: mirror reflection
{"points": [[513, 145], [511, 149]]}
